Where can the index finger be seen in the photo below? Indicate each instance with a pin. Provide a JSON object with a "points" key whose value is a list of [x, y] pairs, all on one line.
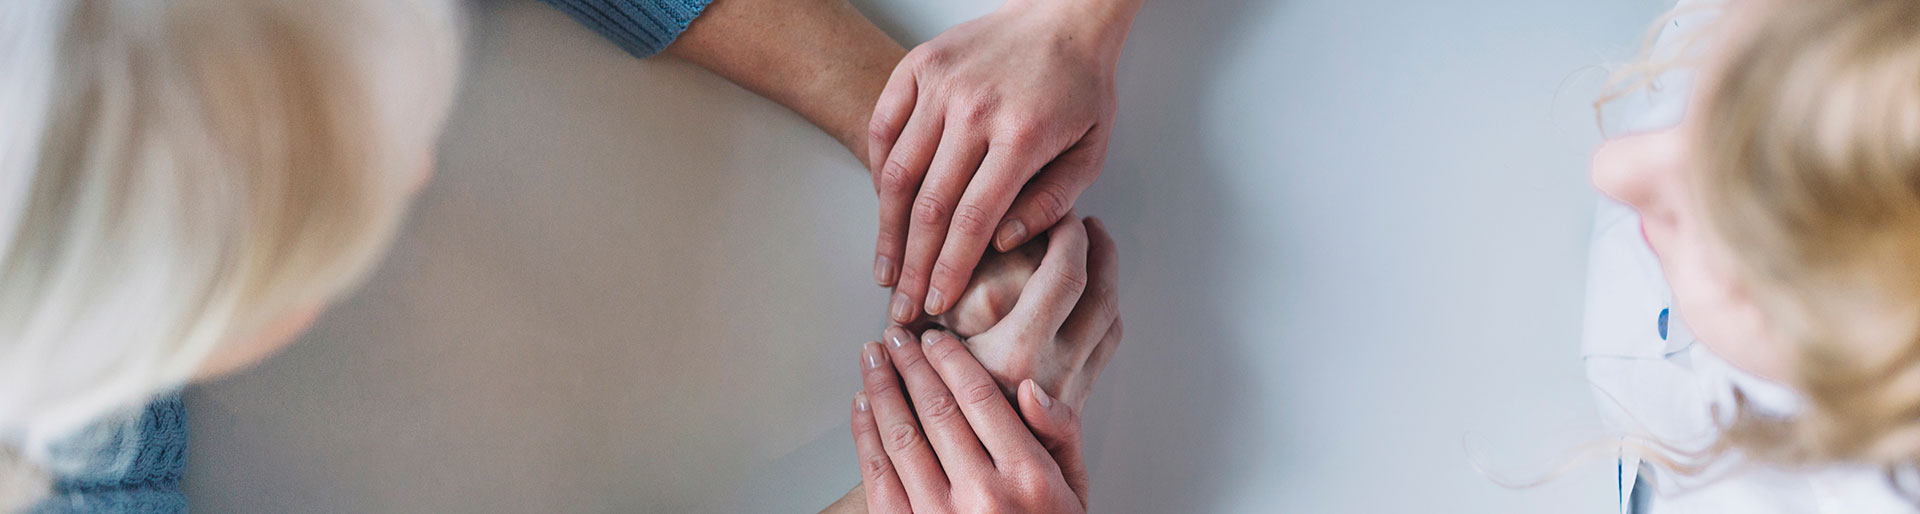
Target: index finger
{"points": [[1099, 306], [906, 446], [944, 424], [1049, 297], [890, 115], [994, 421], [981, 207], [879, 481]]}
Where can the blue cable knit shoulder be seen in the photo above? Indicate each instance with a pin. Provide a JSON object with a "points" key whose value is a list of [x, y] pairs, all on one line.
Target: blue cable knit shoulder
{"points": [[641, 27], [124, 465]]}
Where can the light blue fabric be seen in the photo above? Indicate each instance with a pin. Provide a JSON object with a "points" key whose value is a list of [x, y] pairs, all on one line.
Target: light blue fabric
{"points": [[641, 27], [125, 465]]}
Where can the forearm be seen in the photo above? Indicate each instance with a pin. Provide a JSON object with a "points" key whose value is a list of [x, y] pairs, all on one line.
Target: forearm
{"points": [[820, 58]]}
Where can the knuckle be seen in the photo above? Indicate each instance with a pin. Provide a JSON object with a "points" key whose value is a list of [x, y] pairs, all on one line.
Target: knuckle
{"points": [[979, 392], [943, 269], [945, 351], [889, 241], [881, 126], [875, 468], [929, 212], [930, 57], [912, 274], [939, 408], [914, 361], [895, 178], [902, 436], [1107, 307], [986, 500], [977, 108], [971, 220], [1028, 479], [995, 503], [879, 386], [1024, 131], [1074, 281], [1052, 200]]}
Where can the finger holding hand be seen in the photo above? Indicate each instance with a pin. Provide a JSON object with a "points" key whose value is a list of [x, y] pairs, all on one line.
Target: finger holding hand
{"points": [[901, 170], [1057, 426], [1008, 165], [1099, 306], [884, 492], [1052, 192], [901, 438], [1000, 429], [1056, 287], [890, 114], [945, 426], [961, 151]]}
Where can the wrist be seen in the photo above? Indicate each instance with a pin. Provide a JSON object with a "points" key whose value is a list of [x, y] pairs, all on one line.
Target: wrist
{"points": [[1101, 24]]}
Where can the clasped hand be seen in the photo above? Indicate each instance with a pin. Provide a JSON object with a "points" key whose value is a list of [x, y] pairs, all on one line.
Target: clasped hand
{"points": [[934, 426]]}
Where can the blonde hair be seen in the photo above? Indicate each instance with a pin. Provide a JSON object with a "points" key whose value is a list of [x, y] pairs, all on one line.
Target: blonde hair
{"points": [[1809, 159], [1807, 143], [178, 174]]}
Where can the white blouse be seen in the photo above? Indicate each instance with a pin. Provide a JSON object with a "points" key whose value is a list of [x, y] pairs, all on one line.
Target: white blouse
{"points": [[1655, 383]]}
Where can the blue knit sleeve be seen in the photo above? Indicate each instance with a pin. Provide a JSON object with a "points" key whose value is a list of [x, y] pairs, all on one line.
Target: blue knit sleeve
{"points": [[124, 465], [641, 27]]}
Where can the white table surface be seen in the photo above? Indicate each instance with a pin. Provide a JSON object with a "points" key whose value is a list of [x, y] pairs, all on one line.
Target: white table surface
{"points": [[1352, 235]]}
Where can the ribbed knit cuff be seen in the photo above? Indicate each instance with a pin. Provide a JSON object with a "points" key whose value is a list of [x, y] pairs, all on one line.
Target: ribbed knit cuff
{"points": [[129, 464], [641, 27]]}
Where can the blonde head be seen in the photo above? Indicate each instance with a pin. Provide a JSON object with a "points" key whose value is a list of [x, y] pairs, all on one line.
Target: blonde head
{"points": [[1808, 151], [179, 175]]}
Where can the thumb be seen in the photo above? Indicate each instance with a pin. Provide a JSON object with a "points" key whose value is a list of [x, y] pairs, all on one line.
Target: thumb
{"points": [[1057, 426]]}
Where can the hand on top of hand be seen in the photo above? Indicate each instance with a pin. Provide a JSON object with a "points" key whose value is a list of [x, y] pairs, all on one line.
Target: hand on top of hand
{"points": [[995, 286], [989, 133], [950, 442], [1063, 321]]}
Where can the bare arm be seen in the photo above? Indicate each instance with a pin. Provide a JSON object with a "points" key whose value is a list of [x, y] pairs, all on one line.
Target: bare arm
{"points": [[855, 502], [821, 58]]}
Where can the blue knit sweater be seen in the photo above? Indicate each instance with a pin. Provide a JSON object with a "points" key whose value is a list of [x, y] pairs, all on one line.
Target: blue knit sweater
{"points": [[123, 465], [641, 27]]}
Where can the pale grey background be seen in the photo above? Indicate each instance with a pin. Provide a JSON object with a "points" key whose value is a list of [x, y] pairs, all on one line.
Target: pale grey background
{"points": [[1352, 231]]}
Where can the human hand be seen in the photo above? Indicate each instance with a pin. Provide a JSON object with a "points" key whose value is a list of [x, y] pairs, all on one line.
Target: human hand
{"points": [[967, 450], [1065, 323], [989, 132], [994, 288]]}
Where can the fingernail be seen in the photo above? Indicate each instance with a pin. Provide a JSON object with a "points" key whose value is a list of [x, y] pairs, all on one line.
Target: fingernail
{"points": [[860, 401], [882, 270], [873, 353], [902, 309], [933, 302], [1011, 232], [897, 336], [1040, 395], [932, 336]]}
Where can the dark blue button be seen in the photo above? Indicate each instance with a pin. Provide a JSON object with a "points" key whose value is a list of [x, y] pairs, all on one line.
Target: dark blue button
{"points": [[1663, 324]]}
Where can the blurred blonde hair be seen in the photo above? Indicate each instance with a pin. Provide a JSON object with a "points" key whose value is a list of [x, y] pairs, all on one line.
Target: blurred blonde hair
{"points": [[1808, 155], [1809, 159], [178, 174]]}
